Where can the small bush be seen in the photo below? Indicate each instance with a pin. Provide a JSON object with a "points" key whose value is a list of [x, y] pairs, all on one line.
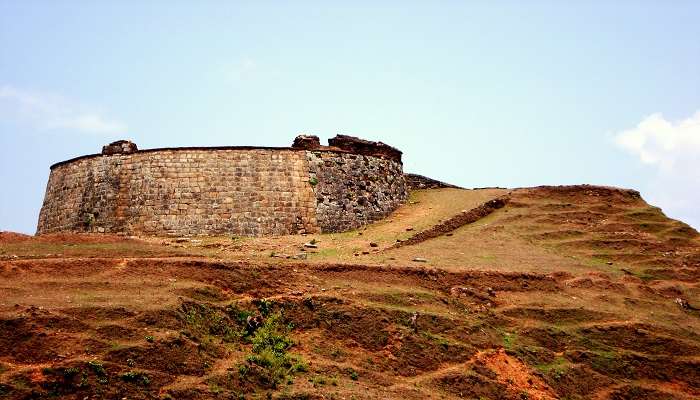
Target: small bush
{"points": [[97, 368], [71, 372], [264, 306], [89, 219], [136, 377], [353, 375]]}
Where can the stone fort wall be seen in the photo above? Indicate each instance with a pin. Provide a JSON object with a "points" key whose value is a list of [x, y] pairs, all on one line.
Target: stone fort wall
{"points": [[248, 191]]}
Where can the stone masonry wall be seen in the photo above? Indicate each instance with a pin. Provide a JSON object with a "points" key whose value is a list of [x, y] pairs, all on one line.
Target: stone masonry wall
{"points": [[354, 190], [211, 191], [182, 192]]}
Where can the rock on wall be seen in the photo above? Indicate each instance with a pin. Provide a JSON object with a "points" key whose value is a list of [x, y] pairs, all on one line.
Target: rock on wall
{"points": [[354, 190], [182, 192]]}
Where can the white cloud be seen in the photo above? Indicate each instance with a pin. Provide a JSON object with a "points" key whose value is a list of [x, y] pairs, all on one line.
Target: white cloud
{"points": [[673, 148], [47, 111]]}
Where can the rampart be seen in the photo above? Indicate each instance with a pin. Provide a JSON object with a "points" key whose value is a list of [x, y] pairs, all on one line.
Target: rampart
{"points": [[249, 191]]}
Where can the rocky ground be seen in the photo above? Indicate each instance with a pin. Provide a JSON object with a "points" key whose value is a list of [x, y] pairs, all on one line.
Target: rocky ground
{"points": [[575, 292]]}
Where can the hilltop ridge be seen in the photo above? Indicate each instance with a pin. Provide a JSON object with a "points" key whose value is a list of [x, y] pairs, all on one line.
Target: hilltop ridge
{"points": [[551, 292]]}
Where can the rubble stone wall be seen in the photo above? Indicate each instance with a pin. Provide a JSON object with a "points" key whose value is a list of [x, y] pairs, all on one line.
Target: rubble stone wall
{"points": [[227, 191], [353, 189]]}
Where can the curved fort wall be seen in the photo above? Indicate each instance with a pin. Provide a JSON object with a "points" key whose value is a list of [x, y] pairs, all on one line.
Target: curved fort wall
{"points": [[247, 191]]}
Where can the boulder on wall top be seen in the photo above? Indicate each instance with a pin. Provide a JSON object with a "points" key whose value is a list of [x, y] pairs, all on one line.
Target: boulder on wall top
{"points": [[366, 147], [120, 147], [308, 142]]}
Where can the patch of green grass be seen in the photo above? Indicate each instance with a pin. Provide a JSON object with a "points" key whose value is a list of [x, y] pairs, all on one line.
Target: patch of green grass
{"points": [[318, 380], [596, 261], [113, 346], [644, 275], [86, 297], [327, 252], [206, 293], [215, 388], [20, 382], [612, 364], [203, 321], [509, 340], [336, 352], [443, 343], [555, 369]]}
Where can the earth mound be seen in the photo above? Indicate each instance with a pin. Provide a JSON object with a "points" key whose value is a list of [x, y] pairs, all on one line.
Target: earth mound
{"points": [[576, 292]]}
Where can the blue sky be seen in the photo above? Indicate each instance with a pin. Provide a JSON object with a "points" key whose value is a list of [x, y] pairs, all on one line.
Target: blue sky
{"points": [[475, 93]]}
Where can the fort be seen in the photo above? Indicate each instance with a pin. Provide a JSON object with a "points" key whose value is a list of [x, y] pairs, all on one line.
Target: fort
{"points": [[248, 191]]}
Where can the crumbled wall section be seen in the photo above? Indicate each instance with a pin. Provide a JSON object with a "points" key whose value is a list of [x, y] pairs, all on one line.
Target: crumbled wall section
{"points": [[250, 191], [415, 181], [354, 190]]}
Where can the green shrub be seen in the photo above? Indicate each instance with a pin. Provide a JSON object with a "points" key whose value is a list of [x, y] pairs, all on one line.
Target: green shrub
{"points": [[353, 375], [270, 344], [203, 320], [271, 336], [264, 306], [97, 368], [136, 377]]}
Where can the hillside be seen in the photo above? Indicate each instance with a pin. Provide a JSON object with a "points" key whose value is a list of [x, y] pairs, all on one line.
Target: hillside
{"points": [[572, 292]]}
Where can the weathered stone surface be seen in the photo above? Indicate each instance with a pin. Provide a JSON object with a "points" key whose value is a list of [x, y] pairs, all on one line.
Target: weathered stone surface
{"points": [[353, 190], [415, 181], [307, 142], [365, 147], [120, 147], [210, 191]]}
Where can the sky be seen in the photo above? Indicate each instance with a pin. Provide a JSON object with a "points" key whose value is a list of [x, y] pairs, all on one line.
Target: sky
{"points": [[482, 93]]}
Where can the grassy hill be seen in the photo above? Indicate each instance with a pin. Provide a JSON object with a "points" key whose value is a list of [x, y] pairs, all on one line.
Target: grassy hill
{"points": [[573, 292]]}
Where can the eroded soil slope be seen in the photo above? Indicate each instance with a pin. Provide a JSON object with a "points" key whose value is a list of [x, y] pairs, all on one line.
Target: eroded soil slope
{"points": [[573, 292]]}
